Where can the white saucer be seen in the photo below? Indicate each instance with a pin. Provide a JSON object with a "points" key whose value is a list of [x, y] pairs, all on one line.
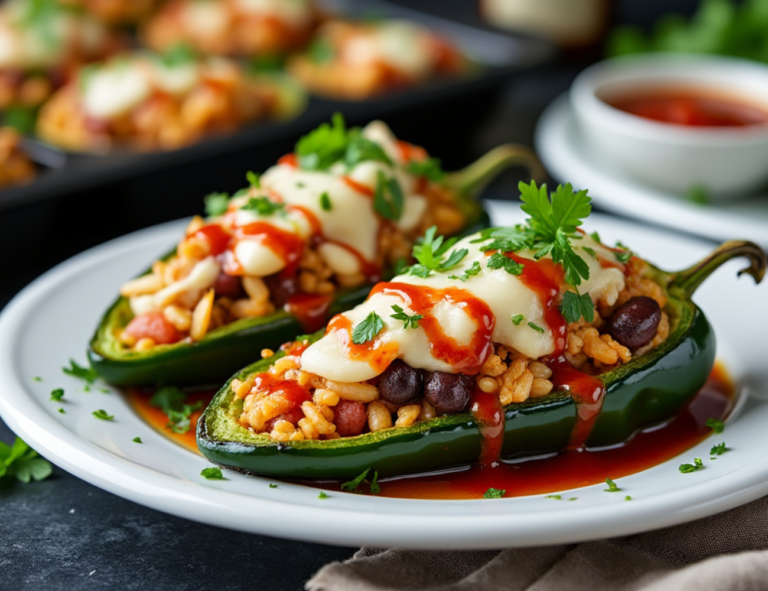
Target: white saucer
{"points": [[53, 318], [568, 159]]}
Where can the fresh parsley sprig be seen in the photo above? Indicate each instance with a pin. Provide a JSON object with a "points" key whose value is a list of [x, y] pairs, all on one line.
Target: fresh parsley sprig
{"points": [[430, 252], [264, 206], [499, 261], [473, 270], [388, 197], [216, 204], [88, 374], [172, 401], [19, 461], [494, 493], [575, 306], [695, 467], [367, 329], [429, 168], [411, 321]]}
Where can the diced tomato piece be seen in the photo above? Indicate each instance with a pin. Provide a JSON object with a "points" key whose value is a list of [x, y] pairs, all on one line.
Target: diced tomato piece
{"points": [[155, 326]]}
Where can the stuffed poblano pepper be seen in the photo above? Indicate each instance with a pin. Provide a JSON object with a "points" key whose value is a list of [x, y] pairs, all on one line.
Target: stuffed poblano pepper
{"points": [[304, 241], [510, 342]]}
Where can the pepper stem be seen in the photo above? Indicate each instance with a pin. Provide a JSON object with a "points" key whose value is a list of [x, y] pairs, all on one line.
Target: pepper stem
{"points": [[684, 283], [474, 178]]}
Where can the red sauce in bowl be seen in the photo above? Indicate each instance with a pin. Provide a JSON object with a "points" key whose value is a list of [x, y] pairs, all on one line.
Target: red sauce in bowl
{"points": [[690, 107]]}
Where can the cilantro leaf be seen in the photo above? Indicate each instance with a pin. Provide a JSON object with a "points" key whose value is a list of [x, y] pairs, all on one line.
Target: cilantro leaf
{"points": [[718, 449], [137, 440], [57, 394], [216, 204], [575, 306], [103, 415], [325, 202], [22, 462], [361, 149], [536, 327], [408, 321], [324, 146], [367, 329], [353, 484], [253, 179], [687, 468], [494, 493], [512, 239], [263, 206], [84, 373], [499, 261], [430, 252], [624, 254], [388, 198], [612, 486], [473, 270], [716, 425], [172, 401], [517, 319], [212, 474], [429, 168], [322, 495]]}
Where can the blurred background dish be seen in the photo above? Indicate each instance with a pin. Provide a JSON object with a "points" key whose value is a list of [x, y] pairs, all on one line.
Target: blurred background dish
{"points": [[675, 122], [115, 12]]}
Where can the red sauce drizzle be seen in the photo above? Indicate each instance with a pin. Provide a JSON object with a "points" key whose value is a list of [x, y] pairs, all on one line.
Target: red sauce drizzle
{"points": [[587, 391], [466, 359], [217, 237], [489, 415], [289, 160], [379, 355], [309, 309], [287, 245], [359, 187]]}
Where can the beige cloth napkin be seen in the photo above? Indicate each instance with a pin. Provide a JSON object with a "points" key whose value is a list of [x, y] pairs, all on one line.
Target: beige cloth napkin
{"points": [[727, 552]]}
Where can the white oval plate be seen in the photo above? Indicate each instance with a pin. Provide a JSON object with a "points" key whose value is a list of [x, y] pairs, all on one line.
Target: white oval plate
{"points": [[52, 319], [568, 158]]}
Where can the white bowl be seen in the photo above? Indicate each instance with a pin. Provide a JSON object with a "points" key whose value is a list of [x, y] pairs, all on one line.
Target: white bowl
{"points": [[726, 161]]}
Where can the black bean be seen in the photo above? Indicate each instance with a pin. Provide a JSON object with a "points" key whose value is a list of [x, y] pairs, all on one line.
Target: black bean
{"points": [[635, 322], [448, 392], [400, 384]]}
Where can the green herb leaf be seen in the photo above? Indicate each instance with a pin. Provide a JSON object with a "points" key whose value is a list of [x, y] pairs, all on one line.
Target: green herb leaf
{"points": [[272, 485], [612, 486], [352, 485], [718, 449], [367, 329], [375, 487], [324, 146], [506, 239], [37, 379], [388, 198], [589, 251], [698, 195], [103, 415], [716, 425], [263, 206], [429, 168], [22, 119], [499, 261], [536, 327], [361, 149], [57, 394], [325, 202], [178, 54], [322, 495], [401, 266], [253, 179], [575, 306], [430, 251], [572, 499], [212, 474], [62, 411], [555, 497], [172, 401], [137, 440], [627, 498], [84, 373], [411, 321], [494, 493], [596, 237], [473, 270], [624, 255], [697, 465], [320, 51], [216, 204], [517, 319], [22, 462]]}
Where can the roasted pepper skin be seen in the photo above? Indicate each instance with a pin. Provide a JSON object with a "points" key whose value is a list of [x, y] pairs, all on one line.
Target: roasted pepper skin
{"points": [[648, 390]]}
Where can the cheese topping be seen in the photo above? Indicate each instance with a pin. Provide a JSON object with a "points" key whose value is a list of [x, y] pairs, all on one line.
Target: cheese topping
{"points": [[451, 323], [402, 45], [296, 13]]}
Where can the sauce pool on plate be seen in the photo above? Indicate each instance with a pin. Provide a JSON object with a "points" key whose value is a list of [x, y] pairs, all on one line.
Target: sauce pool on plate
{"points": [[690, 107]]}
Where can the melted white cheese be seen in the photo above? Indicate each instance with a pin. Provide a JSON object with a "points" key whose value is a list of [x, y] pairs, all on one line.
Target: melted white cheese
{"points": [[206, 17], [400, 44], [296, 13], [506, 295]]}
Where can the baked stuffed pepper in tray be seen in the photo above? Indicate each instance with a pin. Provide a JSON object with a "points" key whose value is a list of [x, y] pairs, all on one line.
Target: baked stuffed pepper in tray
{"points": [[304, 241], [509, 342]]}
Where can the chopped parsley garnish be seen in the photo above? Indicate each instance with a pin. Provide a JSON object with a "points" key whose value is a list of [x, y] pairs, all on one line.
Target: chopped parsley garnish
{"points": [[322, 495], [352, 485], [718, 449], [430, 252], [716, 425], [536, 327], [361, 149], [216, 204], [367, 329], [84, 373], [555, 497], [596, 237], [698, 195], [624, 254], [62, 411], [137, 440], [375, 487], [517, 319], [575, 306], [572, 499], [324, 146], [172, 401], [212, 474], [388, 198], [697, 465], [253, 179], [411, 321], [429, 168], [320, 51], [473, 270], [37, 379], [494, 493], [272, 485], [23, 463], [325, 202], [499, 261], [177, 55], [103, 415], [263, 206], [57, 394], [612, 486], [506, 239], [590, 251], [627, 498]]}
